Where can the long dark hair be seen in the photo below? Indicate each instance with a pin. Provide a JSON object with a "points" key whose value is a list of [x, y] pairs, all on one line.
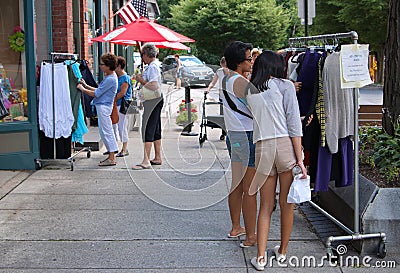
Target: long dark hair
{"points": [[268, 64]]}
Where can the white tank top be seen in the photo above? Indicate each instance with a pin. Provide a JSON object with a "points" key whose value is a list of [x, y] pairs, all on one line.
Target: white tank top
{"points": [[235, 121]]}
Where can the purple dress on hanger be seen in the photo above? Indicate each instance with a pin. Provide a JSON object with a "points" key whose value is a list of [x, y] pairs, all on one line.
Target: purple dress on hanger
{"points": [[308, 76]]}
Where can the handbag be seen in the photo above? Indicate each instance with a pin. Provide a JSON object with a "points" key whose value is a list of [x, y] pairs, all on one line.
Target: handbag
{"points": [[125, 105], [299, 191], [114, 114], [148, 94]]}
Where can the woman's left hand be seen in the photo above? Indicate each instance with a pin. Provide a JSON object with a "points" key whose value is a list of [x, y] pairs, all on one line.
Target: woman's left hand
{"points": [[139, 78]]}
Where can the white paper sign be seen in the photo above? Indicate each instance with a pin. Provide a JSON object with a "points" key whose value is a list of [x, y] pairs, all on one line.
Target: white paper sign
{"points": [[354, 66]]}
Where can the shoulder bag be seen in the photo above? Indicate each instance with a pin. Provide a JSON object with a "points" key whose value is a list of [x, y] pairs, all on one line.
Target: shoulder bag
{"points": [[125, 105], [148, 94], [231, 104]]}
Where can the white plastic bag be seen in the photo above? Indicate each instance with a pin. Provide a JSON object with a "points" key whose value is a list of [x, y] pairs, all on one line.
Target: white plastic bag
{"points": [[299, 191]]}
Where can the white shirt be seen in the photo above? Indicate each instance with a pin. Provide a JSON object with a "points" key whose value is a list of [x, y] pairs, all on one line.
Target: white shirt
{"points": [[275, 111], [64, 118]]}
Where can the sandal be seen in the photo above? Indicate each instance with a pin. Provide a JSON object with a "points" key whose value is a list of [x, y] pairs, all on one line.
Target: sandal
{"points": [[121, 154], [155, 162], [281, 258], [107, 162], [258, 264], [140, 167]]}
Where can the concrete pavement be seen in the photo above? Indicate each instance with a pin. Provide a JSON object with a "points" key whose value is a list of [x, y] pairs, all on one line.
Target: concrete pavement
{"points": [[172, 218]]}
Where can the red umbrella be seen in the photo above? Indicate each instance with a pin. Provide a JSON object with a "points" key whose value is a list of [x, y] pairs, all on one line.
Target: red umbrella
{"points": [[173, 45], [143, 30]]}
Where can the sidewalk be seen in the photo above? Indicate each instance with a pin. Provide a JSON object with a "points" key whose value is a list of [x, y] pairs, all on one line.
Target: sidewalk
{"points": [[172, 218]]}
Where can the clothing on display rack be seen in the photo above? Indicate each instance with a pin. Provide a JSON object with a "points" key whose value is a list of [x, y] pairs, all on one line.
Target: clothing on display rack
{"points": [[64, 118], [329, 103], [68, 123], [333, 115], [90, 111]]}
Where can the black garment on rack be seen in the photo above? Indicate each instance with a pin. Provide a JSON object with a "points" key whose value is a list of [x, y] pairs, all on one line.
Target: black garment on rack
{"points": [[46, 146], [89, 79], [308, 76]]}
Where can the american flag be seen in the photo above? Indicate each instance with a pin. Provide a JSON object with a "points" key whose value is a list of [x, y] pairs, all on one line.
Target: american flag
{"points": [[133, 10]]}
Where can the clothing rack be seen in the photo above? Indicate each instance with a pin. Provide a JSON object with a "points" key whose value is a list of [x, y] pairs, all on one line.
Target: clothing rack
{"points": [[56, 56], [354, 235]]}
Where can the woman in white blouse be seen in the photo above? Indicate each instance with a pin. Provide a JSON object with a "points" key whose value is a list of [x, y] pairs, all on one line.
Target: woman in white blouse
{"points": [[277, 135]]}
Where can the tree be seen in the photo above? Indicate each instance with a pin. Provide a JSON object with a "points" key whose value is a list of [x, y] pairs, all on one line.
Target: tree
{"points": [[367, 17], [391, 94], [326, 20], [215, 23], [294, 29]]}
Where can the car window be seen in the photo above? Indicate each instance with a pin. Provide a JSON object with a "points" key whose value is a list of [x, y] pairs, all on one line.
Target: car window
{"points": [[190, 61], [169, 61]]}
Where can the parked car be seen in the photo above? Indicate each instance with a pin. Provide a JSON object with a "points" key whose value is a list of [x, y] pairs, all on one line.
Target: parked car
{"points": [[193, 70]]}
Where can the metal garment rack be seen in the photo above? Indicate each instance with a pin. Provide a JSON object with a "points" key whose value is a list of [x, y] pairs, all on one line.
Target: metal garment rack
{"points": [[71, 159], [354, 235]]}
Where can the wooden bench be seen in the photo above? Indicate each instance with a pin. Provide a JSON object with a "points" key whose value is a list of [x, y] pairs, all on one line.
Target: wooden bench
{"points": [[370, 115]]}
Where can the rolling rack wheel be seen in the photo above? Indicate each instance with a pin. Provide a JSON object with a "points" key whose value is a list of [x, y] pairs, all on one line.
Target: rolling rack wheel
{"points": [[71, 163], [89, 152], [38, 164], [382, 251], [202, 139], [222, 137]]}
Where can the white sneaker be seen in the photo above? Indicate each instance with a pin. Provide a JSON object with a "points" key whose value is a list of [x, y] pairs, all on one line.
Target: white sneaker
{"points": [[281, 258], [256, 262]]}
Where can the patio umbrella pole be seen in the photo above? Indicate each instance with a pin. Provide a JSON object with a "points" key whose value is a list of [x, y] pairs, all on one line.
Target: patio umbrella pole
{"points": [[187, 131]]}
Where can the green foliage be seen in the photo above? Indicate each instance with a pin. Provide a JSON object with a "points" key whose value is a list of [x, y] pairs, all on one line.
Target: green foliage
{"points": [[381, 150], [367, 17], [269, 23], [17, 41], [215, 23], [295, 29]]}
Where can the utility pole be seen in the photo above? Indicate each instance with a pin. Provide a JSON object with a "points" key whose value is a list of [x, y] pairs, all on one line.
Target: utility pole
{"points": [[306, 11], [306, 17]]}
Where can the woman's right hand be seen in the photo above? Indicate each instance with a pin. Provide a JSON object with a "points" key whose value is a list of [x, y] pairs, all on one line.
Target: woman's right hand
{"points": [[303, 169], [79, 86]]}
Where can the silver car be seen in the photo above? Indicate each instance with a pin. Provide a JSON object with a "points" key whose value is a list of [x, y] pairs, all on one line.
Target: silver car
{"points": [[193, 70]]}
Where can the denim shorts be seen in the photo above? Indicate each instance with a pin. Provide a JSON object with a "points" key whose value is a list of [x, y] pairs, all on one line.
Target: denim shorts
{"points": [[241, 147]]}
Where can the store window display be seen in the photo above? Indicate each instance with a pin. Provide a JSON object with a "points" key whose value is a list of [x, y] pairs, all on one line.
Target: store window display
{"points": [[13, 90]]}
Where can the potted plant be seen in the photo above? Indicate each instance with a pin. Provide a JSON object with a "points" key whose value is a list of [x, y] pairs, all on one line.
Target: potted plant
{"points": [[182, 118]]}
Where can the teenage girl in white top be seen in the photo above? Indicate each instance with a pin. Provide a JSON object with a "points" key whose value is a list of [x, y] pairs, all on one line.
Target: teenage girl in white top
{"points": [[277, 134]]}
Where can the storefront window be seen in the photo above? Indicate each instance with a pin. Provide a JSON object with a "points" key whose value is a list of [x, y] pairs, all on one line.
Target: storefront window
{"points": [[13, 89]]}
